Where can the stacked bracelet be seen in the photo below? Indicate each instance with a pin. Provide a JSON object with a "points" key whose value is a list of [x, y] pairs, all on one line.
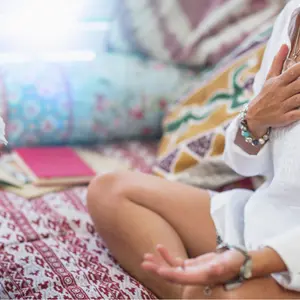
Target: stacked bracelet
{"points": [[247, 134]]}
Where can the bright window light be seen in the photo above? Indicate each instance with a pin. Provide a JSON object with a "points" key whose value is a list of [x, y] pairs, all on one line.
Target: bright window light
{"points": [[40, 23], [46, 30], [65, 56]]}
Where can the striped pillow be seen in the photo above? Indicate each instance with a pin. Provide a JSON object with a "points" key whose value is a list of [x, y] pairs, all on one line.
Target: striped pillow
{"points": [[192, 32]]}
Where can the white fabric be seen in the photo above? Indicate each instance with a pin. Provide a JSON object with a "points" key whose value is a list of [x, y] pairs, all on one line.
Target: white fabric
{"points": [[269, 216], [2, 132]]}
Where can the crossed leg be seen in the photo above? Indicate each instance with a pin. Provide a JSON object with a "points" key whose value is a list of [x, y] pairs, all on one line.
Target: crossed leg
{"points": [[134, 212]]}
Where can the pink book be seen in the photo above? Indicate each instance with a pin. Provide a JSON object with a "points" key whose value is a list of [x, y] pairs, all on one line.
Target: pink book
{"points": [[54, 165]]}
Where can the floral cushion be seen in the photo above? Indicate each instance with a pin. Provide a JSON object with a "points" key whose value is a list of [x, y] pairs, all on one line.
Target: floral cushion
{"points": [[192, 146], [189, 32], [112, 97]]}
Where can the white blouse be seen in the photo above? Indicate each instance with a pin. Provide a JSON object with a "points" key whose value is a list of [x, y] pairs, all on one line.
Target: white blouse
{"points": [[270, 216]]}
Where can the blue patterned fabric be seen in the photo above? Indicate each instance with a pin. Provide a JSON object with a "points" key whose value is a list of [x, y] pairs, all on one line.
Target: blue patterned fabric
{"points": [[113, 97]]}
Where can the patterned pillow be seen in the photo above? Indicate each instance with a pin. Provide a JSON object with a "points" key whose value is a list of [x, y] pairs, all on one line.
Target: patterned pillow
{"points": [[189, 32], [194, 130], [113, 97]]}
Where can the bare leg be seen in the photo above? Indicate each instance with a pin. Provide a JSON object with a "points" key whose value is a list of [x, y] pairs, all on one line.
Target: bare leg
{"points": [[134, 212]]}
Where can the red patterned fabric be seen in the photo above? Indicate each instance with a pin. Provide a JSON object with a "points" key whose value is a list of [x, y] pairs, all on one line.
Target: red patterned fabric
{"points": [[49, 248], [140, 155]]}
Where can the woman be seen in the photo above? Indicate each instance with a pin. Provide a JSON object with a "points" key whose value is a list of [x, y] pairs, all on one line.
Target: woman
{"points": [[137, 213]]}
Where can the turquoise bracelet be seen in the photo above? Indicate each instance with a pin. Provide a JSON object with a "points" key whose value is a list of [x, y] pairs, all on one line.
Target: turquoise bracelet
{"points": [[247, 134]]}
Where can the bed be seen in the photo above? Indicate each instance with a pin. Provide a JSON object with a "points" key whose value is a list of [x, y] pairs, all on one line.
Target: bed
{"points": [[50, 250]]}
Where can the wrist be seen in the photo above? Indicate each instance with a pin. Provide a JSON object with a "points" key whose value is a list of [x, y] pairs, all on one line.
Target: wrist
{"points": [[256, 130], [265, 262]]}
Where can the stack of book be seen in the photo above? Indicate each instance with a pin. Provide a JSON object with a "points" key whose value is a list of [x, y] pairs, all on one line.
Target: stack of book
{"points": [[32, 172]]}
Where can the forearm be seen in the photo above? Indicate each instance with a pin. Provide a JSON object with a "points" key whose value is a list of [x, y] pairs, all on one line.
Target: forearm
{"points": [[265, 262]]}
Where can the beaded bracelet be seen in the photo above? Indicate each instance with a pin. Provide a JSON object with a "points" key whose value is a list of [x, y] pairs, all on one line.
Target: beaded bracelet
{"points": [[247, 134]]}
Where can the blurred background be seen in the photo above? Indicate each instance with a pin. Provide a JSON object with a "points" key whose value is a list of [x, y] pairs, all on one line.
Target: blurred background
{"points": [[53, 30], [96, 71], [145, 85]]}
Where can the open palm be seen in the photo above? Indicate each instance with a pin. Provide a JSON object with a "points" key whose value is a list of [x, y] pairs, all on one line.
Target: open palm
{"points": [[211, 268]]}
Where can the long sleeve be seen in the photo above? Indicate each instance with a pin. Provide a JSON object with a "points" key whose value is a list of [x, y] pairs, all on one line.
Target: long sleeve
{"points": [[287, 245], [260, 164], [241, 162]]}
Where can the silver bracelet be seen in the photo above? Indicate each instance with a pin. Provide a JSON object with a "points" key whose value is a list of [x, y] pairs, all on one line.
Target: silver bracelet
{"points": [[245, 270]]}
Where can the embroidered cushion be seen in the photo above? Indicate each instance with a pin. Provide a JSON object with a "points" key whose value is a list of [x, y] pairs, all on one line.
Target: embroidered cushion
{"points": [[194, 130]]}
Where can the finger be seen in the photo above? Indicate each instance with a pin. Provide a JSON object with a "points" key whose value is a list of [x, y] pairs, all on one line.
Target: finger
{"points": [[278, 62], [292, 74], [169, 259], [151, 257], [150, 266], [292, 117], [198, 260], [291, 104], [183, 276], [293, 88], [154, 259]]}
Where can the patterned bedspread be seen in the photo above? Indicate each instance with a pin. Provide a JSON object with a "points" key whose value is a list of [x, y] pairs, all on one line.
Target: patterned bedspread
{"points": [[49, 248]]}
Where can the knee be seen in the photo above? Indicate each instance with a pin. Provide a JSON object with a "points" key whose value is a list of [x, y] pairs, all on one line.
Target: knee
{"points": [[104, 190]]}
